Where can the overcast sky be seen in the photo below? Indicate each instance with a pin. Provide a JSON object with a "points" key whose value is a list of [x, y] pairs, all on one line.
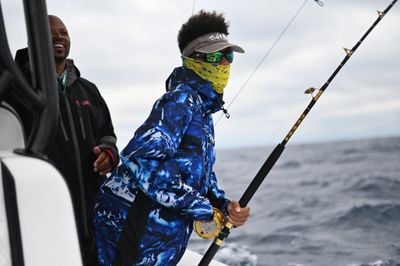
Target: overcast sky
{"points": [[128, 48]]}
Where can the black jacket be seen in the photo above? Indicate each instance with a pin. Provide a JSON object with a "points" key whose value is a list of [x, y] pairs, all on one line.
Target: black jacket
{"points": [[83, 123]]}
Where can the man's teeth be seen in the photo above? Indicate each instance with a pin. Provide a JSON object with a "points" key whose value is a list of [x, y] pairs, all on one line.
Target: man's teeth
{"points": [[58, 46]]}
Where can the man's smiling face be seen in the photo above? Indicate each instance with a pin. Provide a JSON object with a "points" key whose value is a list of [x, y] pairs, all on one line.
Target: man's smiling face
{"points": [[60, 39]]}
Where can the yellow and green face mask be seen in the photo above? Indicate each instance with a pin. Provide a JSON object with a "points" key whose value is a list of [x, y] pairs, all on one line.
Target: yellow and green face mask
{"points": [[217, 74]]}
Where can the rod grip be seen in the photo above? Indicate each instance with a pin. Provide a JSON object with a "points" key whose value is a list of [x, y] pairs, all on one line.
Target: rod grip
{"points": [[247, 195], [207, 258], [261, 175], [213, 248]]}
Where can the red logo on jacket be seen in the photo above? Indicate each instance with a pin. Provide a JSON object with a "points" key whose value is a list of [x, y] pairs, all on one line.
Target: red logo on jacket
{"points": [[82, 102]]}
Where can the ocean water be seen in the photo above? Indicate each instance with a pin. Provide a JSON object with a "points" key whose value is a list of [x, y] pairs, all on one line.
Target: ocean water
{"points": [[325, 204]]}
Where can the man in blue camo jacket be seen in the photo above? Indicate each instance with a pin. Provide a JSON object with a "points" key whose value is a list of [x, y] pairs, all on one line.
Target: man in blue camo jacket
{"points": [[145, 210]]}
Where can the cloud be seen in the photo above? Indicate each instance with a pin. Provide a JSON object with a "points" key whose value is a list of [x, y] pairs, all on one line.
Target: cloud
{"points": [[128, 48]]}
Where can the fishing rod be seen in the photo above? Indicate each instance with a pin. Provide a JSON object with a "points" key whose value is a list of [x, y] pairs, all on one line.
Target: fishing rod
{"points": [[276, 153]]}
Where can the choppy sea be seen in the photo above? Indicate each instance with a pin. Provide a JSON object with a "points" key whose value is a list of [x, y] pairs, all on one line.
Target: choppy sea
{"points": [[323, 204]]}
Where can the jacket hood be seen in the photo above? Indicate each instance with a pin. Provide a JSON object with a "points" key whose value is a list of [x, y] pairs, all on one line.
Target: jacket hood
{"points": [[22, 60], [73, 72], [212, 101]]}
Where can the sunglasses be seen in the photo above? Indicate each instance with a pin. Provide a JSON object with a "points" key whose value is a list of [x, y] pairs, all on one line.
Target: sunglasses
{"points": [[215, 57]]}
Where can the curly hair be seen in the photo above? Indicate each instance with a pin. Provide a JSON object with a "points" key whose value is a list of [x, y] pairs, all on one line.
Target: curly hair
{"points": [[200, 24]]}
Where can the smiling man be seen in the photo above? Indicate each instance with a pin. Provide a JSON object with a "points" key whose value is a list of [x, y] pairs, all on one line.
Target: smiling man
{"points": [[61, 43], [84, 147]]}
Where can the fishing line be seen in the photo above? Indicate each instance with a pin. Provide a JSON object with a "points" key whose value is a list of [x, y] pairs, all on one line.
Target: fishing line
{"points": [[266, 55]]}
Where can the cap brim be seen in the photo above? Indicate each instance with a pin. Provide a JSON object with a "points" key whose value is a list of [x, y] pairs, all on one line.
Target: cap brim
{"points": [[217, 46]]}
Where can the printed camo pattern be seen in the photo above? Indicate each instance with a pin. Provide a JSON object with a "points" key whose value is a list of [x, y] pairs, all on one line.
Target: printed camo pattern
{"points": [[170, 158]]}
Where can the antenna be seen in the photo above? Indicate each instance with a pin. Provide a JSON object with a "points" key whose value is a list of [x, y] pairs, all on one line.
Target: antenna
{"points": [[194, 3]]}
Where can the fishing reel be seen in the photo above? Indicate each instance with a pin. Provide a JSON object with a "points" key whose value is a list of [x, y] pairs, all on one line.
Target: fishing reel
{"points": [[210, 229]]}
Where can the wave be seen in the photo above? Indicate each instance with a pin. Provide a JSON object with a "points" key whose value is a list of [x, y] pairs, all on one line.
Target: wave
{"points": [[235, 255], [329, 204], [279, 238], [378, 187], [290, 164], [385, 145], [388, 262], [368, 216]]}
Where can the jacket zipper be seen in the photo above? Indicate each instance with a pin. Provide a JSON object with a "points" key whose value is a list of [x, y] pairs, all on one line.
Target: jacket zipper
{"points": [[62, 91], [81, 122], [63, 128], [62, 119], [78, 160]]}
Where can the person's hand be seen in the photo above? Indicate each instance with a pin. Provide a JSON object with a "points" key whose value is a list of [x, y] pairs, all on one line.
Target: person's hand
{"points": [[103, 163], [237, 215]]}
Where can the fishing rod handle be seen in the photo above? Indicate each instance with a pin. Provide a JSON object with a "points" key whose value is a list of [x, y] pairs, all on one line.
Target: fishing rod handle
{"points": [[209, 255], [217, 243], [244, 200], [261, 175]]}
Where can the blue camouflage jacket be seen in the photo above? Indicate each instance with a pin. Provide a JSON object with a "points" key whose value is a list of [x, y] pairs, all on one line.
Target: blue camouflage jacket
{"points": [[145, 210]]}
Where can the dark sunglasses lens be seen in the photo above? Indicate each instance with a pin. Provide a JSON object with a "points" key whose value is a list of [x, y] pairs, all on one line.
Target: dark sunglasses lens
{"points": [[229, 56], [214, 57]]}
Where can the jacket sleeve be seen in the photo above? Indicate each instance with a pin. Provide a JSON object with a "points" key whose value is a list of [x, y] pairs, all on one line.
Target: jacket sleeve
{"points": [[149, 155], [217, 196], [108, 139]]}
